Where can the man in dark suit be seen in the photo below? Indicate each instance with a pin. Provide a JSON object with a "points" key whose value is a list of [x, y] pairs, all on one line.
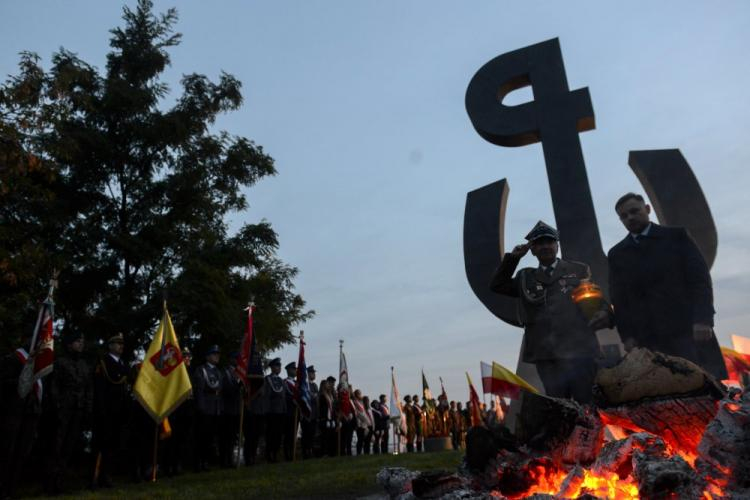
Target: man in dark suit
{"points": [[661, 289], [559, 340]]}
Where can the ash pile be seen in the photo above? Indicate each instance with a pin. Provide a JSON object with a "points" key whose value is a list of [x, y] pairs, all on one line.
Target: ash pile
{"points": [[660, 427]]}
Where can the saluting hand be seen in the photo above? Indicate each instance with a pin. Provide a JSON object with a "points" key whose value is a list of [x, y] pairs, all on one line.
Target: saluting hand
{"points": [[520, 250]]}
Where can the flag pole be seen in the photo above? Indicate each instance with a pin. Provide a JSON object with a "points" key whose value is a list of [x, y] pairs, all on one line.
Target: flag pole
{"points": [[338, 413], [156, 445], [47, 301], [294, 434], [242, 418]]}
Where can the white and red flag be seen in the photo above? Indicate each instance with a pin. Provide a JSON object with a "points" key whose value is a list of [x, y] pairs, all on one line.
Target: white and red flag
{"points": [[345, 403], [244, 358], [41, 356]]}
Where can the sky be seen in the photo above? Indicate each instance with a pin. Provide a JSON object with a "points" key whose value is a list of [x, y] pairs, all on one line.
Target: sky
{"points": [[361, 104]]}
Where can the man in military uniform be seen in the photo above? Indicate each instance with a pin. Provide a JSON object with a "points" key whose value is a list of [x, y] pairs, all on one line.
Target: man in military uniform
{"points": [[182, 420], [274, 403], [559, 340], [411, 426], [18, 421], [310, 424], [230, 419], [71, 404], [111, 404], [291, 417], [207, 389], [419, 422]]}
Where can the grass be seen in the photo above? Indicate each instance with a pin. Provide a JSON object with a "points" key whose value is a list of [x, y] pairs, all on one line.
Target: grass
{"points": [[336, 478]]}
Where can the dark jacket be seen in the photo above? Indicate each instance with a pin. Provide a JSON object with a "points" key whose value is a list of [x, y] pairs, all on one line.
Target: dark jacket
{"points": [[111, 389], [659, 288], [71, 385], [208, 383], [274, 395], [555, 326]]}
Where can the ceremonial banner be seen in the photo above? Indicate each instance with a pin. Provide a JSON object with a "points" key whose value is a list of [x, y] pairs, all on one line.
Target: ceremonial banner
{"points": [[345, 403], [507, 384], [163, 382], [475, 409], [396, 414], [486, 370], [427, 398], [302, 387], [442, 389], [41, 357], [250, 363]]}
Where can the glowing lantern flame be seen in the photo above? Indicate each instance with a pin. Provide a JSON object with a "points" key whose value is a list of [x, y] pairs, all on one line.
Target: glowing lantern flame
{"points": [[589, 297]]}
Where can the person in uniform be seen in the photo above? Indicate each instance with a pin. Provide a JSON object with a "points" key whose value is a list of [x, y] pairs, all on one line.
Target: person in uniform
{"points": [[111, 408], [208, 384], [230, 418], [327, 418], [274, 404], [387, 416], [291, 417], [19, 418], [182, 421], [310, 424], [661, 289], [559, 339], [411, 424], [419, 423], [71, 403]]}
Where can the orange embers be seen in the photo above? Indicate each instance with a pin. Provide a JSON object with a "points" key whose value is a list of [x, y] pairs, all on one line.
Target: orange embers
{"points": [[608, 486], [562, 485], [588, 297]]}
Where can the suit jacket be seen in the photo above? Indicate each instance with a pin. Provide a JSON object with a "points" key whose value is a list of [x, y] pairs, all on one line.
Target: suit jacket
{"points": [[659, 288], [555, 326]]}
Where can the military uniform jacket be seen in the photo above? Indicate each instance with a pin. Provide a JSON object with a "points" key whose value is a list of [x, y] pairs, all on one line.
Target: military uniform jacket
{"points": [[111, 390], [274, 397], [314, 392], [207, 389], [555, 326], [660, 286], [71, 388]]}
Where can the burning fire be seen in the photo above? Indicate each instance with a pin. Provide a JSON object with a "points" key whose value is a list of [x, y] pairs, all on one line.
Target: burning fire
{"points": [[548, 478]]}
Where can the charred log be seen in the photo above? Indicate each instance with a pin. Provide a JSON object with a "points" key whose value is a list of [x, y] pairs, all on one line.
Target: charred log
{"points": [[569, 432]]}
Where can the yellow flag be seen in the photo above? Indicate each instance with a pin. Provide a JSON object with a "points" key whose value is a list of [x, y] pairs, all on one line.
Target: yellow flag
{"points": [[163, 382], [507, 384]]}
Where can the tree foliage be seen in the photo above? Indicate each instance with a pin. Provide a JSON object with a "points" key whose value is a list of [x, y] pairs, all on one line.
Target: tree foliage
{"points": [[129, 198]]}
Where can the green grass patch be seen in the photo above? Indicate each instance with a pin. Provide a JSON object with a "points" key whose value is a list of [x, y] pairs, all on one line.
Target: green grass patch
{"points": [[345, 477]]}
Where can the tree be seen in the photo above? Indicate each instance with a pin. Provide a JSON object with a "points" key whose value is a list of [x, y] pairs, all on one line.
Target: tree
{"points": [[140, 193]]}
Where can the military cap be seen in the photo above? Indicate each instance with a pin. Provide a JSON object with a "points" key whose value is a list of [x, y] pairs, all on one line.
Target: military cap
{"points": [[275, 362], [311, 368], [542, 230], [331, 379], [291, 366], [214, 349], [116, 339]]}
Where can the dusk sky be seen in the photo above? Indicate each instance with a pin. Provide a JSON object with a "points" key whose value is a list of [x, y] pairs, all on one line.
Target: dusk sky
{"points": [[362, 106]]}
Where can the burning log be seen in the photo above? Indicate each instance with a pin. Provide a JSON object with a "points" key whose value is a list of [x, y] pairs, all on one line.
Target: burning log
{"points": [[571, 433], [664, 395], [724, 451], [669, 477]]}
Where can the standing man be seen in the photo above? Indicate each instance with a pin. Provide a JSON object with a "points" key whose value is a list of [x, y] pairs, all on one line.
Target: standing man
{"points": [[559, 340], [661, 289], [111, 406], [419, 422], [71, 398], [207, 389], [455, 421], [411, 426], [230, 418], [310, 424], [274, 405], [291, 417], [387, 415]]}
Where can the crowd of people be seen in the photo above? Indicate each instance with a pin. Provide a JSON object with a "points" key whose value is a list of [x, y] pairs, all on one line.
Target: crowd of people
{"points": [[83, 425]]}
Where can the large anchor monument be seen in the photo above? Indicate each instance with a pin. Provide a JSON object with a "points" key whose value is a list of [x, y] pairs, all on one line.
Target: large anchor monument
{"points": [[555, 117]]}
